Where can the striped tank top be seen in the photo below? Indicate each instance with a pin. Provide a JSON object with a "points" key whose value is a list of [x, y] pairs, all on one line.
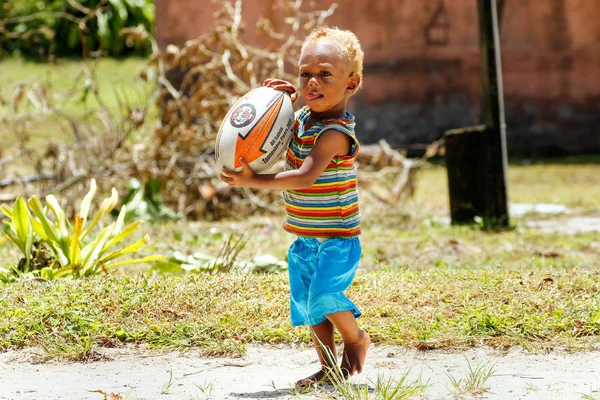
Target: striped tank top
{"points": [[329, 208]]}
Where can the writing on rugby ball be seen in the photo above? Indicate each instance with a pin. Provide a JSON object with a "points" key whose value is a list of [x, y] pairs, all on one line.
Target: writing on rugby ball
{"points": [[258, 128]]}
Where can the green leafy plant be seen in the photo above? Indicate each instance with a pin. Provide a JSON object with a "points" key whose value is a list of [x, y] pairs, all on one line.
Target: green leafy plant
{"points": [[227, 260], [56, 247], [73, 27], [142, 202]]}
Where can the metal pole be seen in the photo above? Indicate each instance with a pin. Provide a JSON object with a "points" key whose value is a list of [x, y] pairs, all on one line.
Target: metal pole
{"points": [[494, 184]]}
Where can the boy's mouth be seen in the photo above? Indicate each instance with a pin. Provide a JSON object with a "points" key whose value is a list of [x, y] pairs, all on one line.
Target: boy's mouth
{"points": [[313, 96]]}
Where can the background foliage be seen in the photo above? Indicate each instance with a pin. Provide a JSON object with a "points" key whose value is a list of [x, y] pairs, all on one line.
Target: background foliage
{"points": [[73, 27]]}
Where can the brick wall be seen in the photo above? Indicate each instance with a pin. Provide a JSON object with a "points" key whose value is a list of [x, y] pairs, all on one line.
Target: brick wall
{"points": [[422, 66]]}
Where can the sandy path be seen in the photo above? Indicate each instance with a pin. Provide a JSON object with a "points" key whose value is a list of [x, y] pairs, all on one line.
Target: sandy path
{"points": [[269, 373]]}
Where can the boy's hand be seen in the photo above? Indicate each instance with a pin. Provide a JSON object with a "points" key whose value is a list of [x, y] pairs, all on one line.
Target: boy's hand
{"points": [[279, 84], [238, 179]]}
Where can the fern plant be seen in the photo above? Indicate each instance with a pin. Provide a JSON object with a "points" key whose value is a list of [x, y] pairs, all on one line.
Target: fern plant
{"points": [[57, 248]]}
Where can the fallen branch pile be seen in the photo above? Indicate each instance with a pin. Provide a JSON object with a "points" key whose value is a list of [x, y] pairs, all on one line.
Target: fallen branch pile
{"points": [[386, 176], [199, 83]]}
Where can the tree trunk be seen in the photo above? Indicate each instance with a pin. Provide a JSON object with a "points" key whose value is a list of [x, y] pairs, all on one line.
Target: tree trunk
{"points": [[495, 213]]}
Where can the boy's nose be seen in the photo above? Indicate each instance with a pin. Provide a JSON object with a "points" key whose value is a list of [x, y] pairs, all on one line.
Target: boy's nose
{"points": [[313, 81]]}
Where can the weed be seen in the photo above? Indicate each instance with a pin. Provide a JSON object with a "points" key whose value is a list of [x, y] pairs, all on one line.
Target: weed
{"points": [[205, 389], [531, 387], [381, 388], [227, 260], [167, 386], [474, 383], [384, 388], [593, 395], [398, 389]]}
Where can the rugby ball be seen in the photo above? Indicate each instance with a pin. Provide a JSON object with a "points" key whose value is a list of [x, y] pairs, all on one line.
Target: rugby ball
{"points": [[258, 128]]}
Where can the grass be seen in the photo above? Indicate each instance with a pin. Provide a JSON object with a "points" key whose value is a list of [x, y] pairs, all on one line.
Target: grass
{"points": [[475, 382], [381, 388], [169, 384], [205, 389], [531, 387], [593, 395], [421, 306]]}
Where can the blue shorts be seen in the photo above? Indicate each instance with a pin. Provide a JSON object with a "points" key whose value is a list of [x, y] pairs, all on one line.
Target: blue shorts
{"points": [[319, 275]]}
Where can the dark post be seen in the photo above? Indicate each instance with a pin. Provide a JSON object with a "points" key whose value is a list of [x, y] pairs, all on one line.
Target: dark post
{"points": [[464, 160], [494, 142]]}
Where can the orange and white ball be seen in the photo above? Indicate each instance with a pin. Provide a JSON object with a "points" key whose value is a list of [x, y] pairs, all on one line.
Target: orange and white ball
{"points": [[258, 128]]}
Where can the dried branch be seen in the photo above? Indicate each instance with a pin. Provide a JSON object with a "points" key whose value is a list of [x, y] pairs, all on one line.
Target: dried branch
{"points": [[26, 179], [12, 157]]}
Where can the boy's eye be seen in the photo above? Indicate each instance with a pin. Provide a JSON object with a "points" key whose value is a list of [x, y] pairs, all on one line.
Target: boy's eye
{"points": [[326, 73], [305, 75]]}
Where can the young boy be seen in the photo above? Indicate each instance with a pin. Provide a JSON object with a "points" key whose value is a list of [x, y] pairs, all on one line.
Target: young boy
{"points": [[321, 200]]}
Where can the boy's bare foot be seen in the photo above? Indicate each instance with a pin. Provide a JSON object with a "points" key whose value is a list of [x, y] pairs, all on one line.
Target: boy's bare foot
{"points": [[321, 377], [354, 355]]}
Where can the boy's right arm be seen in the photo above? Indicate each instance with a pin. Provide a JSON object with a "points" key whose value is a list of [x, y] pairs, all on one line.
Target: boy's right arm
{"points": [[330, 143]]}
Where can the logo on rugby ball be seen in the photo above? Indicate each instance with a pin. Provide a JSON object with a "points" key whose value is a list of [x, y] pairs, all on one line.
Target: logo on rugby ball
{"points": [[243, 115]]}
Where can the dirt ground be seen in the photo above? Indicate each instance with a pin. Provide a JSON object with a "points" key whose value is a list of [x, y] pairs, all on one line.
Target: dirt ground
{"points": [[269, 373]]}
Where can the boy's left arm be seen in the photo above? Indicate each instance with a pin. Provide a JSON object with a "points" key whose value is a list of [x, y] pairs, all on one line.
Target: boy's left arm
{"points": [[330, 144]]}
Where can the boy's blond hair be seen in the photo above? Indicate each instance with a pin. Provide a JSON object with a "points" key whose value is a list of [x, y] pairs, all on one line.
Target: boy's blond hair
{"points": [[346, 45]]}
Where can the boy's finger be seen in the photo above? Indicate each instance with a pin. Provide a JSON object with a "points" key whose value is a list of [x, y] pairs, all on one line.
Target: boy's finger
{"points": [[285, 87], [244, 163], [225, 178], [226, 172]]}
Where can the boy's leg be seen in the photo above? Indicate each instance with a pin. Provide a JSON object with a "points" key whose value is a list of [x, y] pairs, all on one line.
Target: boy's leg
{"points": [[356, 341], [324, 341], [302, 259], [336, 266]]}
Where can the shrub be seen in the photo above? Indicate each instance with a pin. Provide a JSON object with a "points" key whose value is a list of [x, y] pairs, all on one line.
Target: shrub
{"points": [[73, 27], [57, 248]]}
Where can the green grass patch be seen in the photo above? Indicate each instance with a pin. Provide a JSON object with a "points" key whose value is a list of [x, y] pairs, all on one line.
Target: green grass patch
{"points": [[438, 300]]}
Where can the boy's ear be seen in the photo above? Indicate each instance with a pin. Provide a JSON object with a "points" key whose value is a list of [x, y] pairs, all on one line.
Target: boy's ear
{"points": [[353, 83]]}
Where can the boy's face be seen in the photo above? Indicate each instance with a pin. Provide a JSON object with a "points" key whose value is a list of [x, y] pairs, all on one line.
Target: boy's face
{"points": [[325, 80]]}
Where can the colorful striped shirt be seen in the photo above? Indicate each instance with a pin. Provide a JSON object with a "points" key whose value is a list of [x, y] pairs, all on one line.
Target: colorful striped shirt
{"points": [[329, 208]]}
